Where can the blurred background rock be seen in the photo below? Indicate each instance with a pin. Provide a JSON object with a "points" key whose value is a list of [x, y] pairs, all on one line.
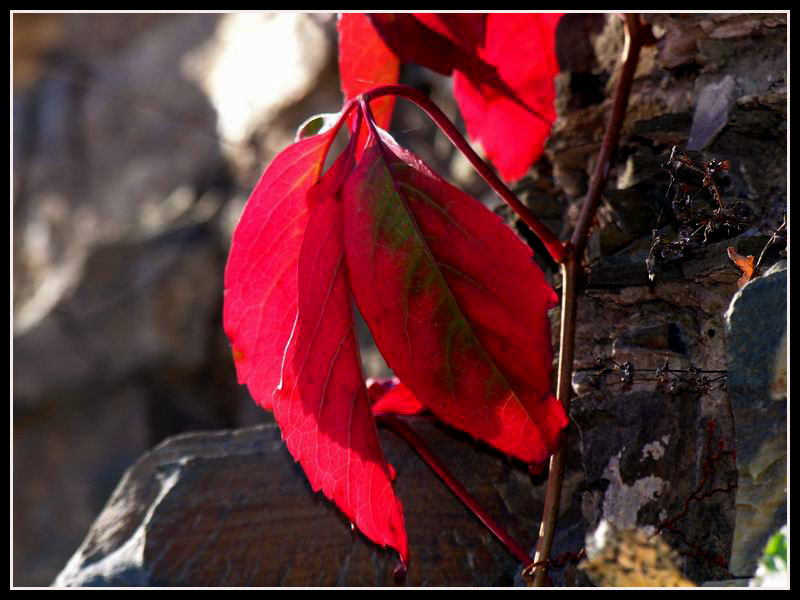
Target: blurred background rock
{"points": [[136, 141]]}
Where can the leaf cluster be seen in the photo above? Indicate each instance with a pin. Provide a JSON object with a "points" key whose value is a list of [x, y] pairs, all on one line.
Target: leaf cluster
{"points": [[452, 297]]}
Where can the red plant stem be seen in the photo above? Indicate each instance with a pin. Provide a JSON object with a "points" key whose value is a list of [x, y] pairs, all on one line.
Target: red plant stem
{"points": [[555, 477], [416, 442], [547, 237], [636, 35]]}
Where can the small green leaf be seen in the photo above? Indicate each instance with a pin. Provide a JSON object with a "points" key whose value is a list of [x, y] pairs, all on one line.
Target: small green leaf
{"points": [[316, 125], [776, 550], [772, 568]]}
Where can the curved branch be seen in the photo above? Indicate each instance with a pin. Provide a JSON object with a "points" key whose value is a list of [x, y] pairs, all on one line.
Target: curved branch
{"points": [[636, 35]]}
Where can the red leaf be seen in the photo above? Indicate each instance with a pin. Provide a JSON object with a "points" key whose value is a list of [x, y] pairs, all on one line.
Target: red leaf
{"points": [[452, 297], [445, 44], [454, 302], [390, 397], [465, 29], [438, 43], [397, 400], [522, 48], [503, 66], [321, 404], [364, 62], [261, 273]]}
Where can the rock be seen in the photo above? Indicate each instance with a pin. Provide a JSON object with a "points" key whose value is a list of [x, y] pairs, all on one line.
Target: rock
{"points": [[654, 337], [575, 91], [677, 46], [68, 457], [34, 35], [232, 509], [756, 325], [247, 90], [133, 353], [631, 558], [632, 211], [667, 129], [680, 316], [644, 455], [572, 57], [121, 164], [698, 62], [153, 293], [111, 128], [645, 449], [260, 103], [711, 112], [626, 270]]}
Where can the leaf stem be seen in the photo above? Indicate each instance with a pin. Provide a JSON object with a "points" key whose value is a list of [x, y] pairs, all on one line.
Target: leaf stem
{"points": [[554, 246], [766, 247], [636, 35], [416, 442]]}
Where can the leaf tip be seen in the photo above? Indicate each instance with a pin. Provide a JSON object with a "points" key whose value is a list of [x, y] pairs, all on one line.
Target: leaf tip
{"points": [[744, 263]]}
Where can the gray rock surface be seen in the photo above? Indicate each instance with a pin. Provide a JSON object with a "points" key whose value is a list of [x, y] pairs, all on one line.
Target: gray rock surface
{"points": [[110, 130], [233, 509], [643, 455], [708, 80], [757, 332], [126, 357], [711, 112], [125, 189]]}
